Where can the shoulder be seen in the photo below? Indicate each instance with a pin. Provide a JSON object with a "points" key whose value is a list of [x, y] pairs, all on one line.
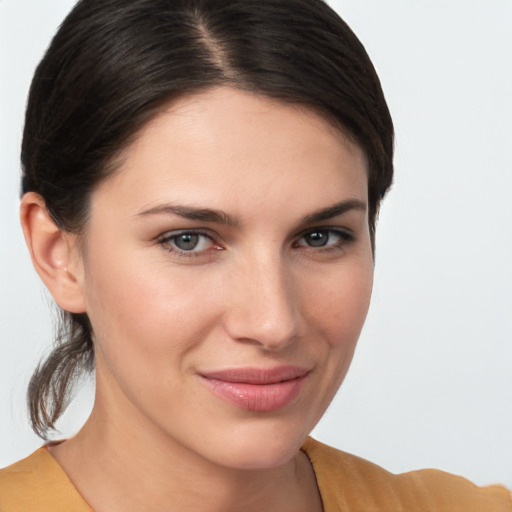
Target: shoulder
{"points": [[38, 483], [347, 482]]}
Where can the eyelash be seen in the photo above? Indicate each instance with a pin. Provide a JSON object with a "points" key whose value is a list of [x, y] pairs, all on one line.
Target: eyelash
{"points": [[166, 241], [345, 238]]}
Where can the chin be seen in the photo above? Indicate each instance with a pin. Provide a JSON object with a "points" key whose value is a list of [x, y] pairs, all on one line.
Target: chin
{"points": [[259, 448]]}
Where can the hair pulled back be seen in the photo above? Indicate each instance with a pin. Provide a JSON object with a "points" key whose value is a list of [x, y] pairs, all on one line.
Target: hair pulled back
{"points": [[112, 66]]}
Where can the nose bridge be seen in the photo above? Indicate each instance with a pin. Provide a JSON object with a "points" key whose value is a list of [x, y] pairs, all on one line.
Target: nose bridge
{"points": [[265, 307]]}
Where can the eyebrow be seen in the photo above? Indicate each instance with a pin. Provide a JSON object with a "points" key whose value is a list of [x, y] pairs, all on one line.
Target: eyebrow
{"points": [[220, 217], [334, 211], [189, 212]]}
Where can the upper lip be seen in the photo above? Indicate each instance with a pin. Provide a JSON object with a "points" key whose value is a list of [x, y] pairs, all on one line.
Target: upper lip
{"points": [[250, 375]]}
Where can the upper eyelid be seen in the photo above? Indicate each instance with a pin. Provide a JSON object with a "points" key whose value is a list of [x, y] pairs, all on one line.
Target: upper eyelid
{"points": [[312, 229], [169, 236], [166, 235]]}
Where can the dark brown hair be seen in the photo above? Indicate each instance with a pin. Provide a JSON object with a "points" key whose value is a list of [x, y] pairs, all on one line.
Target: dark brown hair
{"points": [[114, 63]]}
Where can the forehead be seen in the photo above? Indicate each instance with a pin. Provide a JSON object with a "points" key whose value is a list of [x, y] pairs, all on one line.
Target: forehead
{"points": [[223, 142]]}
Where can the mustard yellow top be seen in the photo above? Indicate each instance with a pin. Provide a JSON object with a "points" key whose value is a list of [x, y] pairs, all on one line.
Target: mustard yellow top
{"points": [[346, 482]]}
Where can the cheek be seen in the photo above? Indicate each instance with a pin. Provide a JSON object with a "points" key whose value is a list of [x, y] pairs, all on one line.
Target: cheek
{"points": [[337, 309], [339, 304], [144, 317], [146, 324]]}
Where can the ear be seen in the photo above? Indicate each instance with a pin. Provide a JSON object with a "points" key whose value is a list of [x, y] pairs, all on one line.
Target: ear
{"points": [[54, 253]]}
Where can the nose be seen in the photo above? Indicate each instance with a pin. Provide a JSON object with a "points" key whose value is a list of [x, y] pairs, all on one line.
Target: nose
{"points": [[264, 306]]}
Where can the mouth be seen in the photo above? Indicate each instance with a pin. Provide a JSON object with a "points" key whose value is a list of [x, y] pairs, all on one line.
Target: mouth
{"points": [[256, 389]]}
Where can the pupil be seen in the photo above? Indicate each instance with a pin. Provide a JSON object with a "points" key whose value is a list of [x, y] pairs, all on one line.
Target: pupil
{"points": [[187, 241], [317, 239]]}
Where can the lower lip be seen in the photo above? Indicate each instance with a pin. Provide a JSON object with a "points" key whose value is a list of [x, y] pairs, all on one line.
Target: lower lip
{"points": [[257, 397]]}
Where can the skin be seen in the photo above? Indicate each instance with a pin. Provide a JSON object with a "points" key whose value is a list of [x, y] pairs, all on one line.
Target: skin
{"points": [[253, 293]]}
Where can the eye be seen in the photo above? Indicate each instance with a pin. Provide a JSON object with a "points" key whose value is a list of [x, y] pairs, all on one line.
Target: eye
{"points": [[324, 238], [191, 242]]}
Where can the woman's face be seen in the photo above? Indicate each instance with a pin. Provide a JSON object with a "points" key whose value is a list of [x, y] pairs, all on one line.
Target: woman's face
{"points": [[227, 274]]}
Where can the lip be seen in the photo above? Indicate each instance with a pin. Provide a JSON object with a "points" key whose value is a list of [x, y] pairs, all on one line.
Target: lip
{"points": [[257, 389]]}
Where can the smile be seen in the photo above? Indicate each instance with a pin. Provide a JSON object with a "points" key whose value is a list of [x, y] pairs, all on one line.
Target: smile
{"points": [[256, 389]]}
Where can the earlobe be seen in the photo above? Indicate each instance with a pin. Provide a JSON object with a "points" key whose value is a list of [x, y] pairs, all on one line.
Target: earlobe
{"points": [[54, 254]]}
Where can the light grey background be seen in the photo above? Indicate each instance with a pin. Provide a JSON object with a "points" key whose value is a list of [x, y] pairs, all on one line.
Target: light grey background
{"points": [[431, 383]]}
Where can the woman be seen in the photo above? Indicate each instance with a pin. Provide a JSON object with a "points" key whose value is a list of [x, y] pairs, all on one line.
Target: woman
{"points": [[201, 184]]}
